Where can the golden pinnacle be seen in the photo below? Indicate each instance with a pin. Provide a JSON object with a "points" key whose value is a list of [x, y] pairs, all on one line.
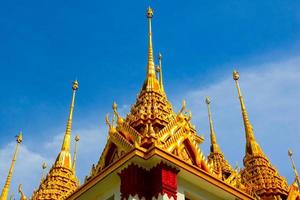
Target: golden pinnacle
{"points": [[159, 56], [207, 100], [114, 106], [19, 138], [235, 75], [149, 12], [290, 153], [75, 85], [77, 138], [44, 165]]}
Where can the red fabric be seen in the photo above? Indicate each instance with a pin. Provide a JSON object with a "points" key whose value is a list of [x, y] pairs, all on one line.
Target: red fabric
{"points": [[161, 179]]}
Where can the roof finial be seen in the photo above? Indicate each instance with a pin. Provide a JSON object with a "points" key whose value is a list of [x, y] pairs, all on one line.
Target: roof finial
{"points": [[44, 166], [77, 138], [214, 147], [252, 146], [5, 190], [151, 78], [290, 153], [160, 72]]}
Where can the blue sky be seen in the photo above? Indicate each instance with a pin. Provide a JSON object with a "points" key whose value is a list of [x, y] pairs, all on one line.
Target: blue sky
{"points": [[45, 45]]}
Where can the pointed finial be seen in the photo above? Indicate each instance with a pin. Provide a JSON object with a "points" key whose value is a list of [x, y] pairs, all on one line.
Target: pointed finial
{"points": [[160, 73], [77, 138], [5, 190], [19, 138], [114, 106], [290, 154], [252, 146], [235, 75], [44, 166], [159, 56], [207, 100], [214, 147], [75, 85], [151, 81]]}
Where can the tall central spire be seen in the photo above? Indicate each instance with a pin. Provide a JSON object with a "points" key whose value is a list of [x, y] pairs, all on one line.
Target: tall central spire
{"points": [[151, 81]]}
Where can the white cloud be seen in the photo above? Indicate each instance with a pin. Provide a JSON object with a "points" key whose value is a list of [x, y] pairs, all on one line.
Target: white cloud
{"points": [[271, 93]]}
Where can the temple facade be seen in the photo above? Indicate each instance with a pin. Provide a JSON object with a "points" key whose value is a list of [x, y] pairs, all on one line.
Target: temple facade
{"points": [[153, 153]]}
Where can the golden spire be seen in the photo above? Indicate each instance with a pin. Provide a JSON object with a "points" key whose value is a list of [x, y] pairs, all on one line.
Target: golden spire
{"points": [[252, 146], [5, 190], [214, 146], [151, 81], [266, 180], [77, 138], [64, 157], [66, 142], [290, 153], [61, 173]]}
